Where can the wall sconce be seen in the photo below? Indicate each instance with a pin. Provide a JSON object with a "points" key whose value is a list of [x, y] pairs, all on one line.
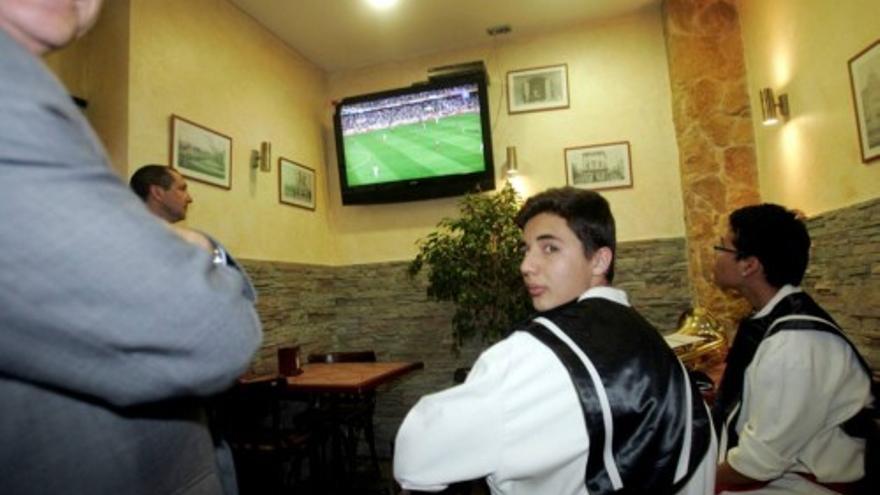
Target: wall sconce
{"points": [[511, 166], [262, 159], [771, 108]]}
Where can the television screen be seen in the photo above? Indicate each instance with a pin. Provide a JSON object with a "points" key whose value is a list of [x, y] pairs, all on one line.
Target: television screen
{"points": [[425, 141]]}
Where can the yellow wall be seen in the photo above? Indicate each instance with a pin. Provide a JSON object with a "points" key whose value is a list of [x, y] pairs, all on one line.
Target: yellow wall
{"points": [[95, 68], [801, 47], [619, 91], [208, 62]]}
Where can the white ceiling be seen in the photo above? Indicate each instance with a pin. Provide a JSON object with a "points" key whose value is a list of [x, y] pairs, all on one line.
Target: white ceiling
{"points": [[346, 34]]}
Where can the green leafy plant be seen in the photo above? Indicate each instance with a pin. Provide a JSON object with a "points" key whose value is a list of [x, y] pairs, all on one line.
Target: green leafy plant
{"points": [[473, 261]]}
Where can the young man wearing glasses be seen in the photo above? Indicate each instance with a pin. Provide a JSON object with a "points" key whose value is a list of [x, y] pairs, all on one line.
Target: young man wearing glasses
{"points": [[793, 382]]}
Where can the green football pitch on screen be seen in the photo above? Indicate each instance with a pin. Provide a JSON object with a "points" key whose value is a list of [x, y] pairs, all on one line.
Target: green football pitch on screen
{"points": [[446, 146]]}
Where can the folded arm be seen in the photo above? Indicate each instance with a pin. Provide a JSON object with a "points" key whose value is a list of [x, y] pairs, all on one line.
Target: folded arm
{"points": [[98, 297], [451, 436]]}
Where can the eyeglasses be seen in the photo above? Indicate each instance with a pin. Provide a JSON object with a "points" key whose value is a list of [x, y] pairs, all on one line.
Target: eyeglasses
{"points": [[721, 247]]}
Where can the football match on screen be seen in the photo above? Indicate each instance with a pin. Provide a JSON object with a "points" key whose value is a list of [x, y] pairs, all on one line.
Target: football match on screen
{"points": [[414, 136]]}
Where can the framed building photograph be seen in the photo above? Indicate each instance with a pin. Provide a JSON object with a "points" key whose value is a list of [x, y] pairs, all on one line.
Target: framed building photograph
{"points": [[539, 88], [200, 153], [296, 184], [599, 166], [864, 76]]}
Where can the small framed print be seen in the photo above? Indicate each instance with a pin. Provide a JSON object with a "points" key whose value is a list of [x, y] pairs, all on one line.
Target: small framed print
{"points": [[599, 166], [540, 88], [296, 184], [864, 76], [200, 153]]}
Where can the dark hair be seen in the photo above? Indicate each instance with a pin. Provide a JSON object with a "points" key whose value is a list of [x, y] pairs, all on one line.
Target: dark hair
{"points": [[777, 237], [586, 213], [150, 175]]}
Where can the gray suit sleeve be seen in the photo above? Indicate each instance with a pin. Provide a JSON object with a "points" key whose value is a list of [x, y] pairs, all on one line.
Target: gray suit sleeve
{"points": [[97, 297]]}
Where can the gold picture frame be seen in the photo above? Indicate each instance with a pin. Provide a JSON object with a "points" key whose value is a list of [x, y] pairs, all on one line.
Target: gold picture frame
{"points": [[200, 153], [296, 184], [537, 89], [864, 77], [599, 166]]}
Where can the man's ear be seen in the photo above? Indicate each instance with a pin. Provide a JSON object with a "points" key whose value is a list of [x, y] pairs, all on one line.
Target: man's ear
{"points": [[750, 265], [156, 192], [601, 260]]}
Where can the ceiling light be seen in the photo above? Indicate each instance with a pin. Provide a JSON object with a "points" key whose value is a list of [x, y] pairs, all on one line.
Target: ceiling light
{"points": [[382, 4]]}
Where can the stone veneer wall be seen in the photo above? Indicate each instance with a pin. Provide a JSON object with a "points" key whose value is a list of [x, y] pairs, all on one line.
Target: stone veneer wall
{"points": [[378, 306], [844, 272]]}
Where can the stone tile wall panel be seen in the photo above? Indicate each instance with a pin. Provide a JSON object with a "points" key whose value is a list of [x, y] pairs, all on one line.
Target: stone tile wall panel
{"points": [[378, 306]]}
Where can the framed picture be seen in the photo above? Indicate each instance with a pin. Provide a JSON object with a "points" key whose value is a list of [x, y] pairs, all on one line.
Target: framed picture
{"points": [[540, 88], [864, 75], [599, 166], [296, 184], [200, 153]]}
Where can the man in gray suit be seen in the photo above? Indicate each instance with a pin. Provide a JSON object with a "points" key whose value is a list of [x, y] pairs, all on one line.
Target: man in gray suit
{"points": [[112, 329]]}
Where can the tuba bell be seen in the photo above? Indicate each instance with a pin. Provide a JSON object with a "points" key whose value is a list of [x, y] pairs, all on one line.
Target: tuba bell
{"points": [[700, 340]]}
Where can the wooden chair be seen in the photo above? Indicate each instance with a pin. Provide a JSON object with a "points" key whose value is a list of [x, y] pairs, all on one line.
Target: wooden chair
{"points": [[353, 413], [460, 375], [269, 444]]}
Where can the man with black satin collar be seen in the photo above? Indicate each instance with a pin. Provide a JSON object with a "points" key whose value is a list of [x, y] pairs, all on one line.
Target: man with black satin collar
{"points": [[793, 384], [584, 398]]}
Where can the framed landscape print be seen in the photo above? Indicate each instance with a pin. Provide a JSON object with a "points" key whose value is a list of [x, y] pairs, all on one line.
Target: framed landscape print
{"points": [[599, 166], [540, 88], [296, 184], [864, 76], [200, 153]]}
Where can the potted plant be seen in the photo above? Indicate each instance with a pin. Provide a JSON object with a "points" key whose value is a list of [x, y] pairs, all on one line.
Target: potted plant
{"points": [[473, 261]]}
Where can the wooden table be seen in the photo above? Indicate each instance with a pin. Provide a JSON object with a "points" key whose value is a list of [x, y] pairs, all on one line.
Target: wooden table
{"points": [[344, 378], [348, 378], [331, 387]]}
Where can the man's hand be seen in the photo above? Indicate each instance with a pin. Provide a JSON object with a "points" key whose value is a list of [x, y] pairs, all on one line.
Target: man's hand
{"points": [[727, 478]]}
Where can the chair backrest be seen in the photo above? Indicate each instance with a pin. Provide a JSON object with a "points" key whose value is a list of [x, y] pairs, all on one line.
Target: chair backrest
{"points": [[250, 409], [343, 357]]}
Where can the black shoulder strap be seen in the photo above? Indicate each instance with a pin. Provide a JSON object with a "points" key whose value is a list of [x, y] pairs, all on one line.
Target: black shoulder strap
{"points": [[815, 323], [648, 427], [862, 424], [598, 475]]}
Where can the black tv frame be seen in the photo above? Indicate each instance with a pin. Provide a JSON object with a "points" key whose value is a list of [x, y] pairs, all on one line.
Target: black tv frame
{"points": [[419, 189]]}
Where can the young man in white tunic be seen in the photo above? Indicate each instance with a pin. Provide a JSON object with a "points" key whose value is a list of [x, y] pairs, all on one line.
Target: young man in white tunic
{"points": [[585, 398], [793, 383]]}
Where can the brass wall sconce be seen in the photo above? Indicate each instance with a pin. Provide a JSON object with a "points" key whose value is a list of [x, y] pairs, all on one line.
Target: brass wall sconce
{"points": [[772, 109], [511, 166], [262, 158]]}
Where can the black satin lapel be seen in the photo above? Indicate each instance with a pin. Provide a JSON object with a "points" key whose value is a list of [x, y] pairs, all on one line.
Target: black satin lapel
{"points": [[596, 477]]}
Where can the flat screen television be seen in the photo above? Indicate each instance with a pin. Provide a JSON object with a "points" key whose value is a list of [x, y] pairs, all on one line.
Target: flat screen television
{"points": [[428, 140]]}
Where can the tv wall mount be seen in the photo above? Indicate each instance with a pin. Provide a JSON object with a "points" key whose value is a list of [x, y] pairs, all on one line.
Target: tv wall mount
{"points": [[458, 70]]}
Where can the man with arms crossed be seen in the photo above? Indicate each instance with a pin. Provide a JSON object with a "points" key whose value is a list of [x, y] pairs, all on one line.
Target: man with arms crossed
{"points": [[112, 328], [584, 398], [792, 380]]}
